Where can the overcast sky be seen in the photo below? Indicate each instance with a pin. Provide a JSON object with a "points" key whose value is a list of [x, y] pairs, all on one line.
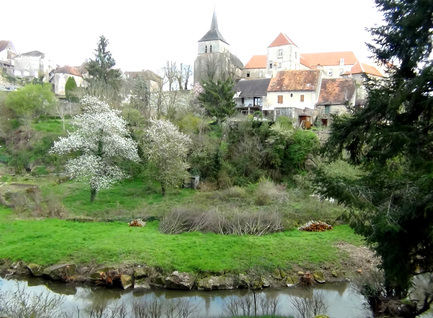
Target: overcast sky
{"points": [[146, 34]]}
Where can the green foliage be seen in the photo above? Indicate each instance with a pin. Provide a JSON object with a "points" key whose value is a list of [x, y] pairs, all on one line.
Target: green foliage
{"points": [[217, 99], [391, 140], [31, 101], [101, 71], [71, 90]]}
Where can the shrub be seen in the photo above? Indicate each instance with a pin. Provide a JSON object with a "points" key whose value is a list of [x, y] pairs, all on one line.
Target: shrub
{"points": [[267, 192]]}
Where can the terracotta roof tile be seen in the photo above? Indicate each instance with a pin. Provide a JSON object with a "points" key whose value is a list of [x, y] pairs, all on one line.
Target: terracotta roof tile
{"points": [[312, 60], [68, 70], [257, 61], [282, 39], [361, 68], [336, 91], [299, 80]]}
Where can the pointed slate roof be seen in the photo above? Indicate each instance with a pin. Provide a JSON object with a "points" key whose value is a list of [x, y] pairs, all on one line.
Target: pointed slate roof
{"points": [[213, 34], [281, 40]]}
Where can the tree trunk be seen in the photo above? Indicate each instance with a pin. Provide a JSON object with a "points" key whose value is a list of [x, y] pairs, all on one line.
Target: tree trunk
{"points": [[92, 195], [162, 189]]}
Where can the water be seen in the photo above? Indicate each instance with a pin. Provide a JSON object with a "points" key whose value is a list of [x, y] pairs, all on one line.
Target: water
{"points": [[341, 300]]}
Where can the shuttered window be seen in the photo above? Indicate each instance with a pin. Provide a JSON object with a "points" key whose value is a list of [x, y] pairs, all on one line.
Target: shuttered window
{"points": [[280, 99]]}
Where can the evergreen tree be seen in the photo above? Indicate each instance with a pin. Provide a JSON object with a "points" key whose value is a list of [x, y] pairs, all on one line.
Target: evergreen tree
{"points": [[391, 139], [217, 99], [101, 69], [70, 90]]}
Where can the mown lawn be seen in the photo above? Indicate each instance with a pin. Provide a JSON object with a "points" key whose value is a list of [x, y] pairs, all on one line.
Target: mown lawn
{"points": [[49, 241]]}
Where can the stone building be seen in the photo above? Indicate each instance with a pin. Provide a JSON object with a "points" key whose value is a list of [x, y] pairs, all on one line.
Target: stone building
{"points": [[214, 60]]}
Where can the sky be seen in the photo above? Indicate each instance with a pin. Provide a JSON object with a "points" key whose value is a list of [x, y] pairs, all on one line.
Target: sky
{"points": [[146, 34]]}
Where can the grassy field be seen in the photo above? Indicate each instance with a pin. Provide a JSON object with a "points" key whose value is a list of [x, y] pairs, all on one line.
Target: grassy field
{"points": [[49, 241]]}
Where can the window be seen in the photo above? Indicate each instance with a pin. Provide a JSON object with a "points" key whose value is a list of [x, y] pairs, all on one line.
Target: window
{"points": [[280, 99], [296, 55], [280, 53], [342, 61], [270, 64], [291, 95], [248, 74], [210, 48], [280, 65], [302, 98], [330, 72], [205, 48], [327, 109]]}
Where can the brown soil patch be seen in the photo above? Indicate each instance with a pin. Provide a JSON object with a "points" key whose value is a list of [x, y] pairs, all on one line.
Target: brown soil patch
{"points": [[361, 258]]}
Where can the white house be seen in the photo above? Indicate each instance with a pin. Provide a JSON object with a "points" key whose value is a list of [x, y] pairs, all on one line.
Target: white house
{"points": [[61, 76], [33, 64], [7, 54]]}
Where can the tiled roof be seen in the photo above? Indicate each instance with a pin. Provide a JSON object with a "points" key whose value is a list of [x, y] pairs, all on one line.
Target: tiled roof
{"points": [[148, 75], [252, 88], [282, 39], [34, 53], [68, 70], [312, 60], [361, 68], [299, 80], [257, 61], [213, 33], [336, 91]]}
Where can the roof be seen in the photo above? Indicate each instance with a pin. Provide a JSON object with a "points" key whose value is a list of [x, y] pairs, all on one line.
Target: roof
{"points": [[312, 60], [213, 33], [236, 61], [252, 88], [257, 61], [299, 80], [34, 53], [361, 68], [281, 40], [4, 44], [148, 75], [68, 70], [336, 91]]}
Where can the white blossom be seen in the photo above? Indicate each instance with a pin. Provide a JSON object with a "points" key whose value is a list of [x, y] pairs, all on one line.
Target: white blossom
{"points": [[100, 136], [167, 148]]}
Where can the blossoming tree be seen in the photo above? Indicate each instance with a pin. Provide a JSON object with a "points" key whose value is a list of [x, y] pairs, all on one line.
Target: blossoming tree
{"points": [[101, 139], [166, 149]]}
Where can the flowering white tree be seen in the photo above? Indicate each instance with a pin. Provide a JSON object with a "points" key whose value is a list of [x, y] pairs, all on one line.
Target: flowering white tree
{"points": [[101, 138], [166, 149]]}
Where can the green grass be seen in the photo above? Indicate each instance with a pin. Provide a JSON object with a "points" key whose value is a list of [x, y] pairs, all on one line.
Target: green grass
{"points": [[52, 126], [49, 241]]}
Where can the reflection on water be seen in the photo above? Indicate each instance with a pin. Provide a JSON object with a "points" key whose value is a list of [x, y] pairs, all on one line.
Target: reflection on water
{"points": [[341, 300]]}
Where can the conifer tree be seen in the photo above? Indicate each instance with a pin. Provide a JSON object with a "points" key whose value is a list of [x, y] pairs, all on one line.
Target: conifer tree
{"points": [[391, 139], [217, 98]]}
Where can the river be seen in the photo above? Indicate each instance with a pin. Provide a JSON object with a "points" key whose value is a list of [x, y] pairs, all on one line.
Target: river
{"points": [[78, 301]]}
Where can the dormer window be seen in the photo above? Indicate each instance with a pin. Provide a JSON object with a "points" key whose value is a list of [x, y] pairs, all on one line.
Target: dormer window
{"points": [[342, 61], [210, 48]]}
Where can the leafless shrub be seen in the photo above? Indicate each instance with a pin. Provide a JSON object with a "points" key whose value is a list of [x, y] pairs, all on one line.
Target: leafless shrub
{"points": [[267, 192], [310, 307], [28, 304], [182, 309], [239, 223]]}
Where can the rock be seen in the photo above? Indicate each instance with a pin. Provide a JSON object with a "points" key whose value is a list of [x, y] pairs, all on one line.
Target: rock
{"points": [[334, 273], [243, 281], [141, 283], [35, 269], [126, 281], [216, 283], [319, 277], [276, 274], [178, 280], [60, 272], [292, 281], [283, 273], [105, 276], [322, 316], [157, 281], [140, 272], [307, 279]]}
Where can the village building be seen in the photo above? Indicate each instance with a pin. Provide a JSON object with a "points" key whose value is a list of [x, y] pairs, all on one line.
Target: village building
{"points": [[61, 76], [33, 64], [214, 60], [7, 55]]}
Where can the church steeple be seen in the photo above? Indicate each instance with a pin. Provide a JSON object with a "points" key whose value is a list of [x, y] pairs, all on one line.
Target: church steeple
{"points": [[213, 34]]}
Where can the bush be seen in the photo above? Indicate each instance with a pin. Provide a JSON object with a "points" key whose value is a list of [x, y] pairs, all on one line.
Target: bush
{"points": [[267, 192], [193, 219]]}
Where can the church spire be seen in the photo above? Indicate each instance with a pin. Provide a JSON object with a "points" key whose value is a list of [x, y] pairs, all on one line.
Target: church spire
{"points": [[213, 34]]}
